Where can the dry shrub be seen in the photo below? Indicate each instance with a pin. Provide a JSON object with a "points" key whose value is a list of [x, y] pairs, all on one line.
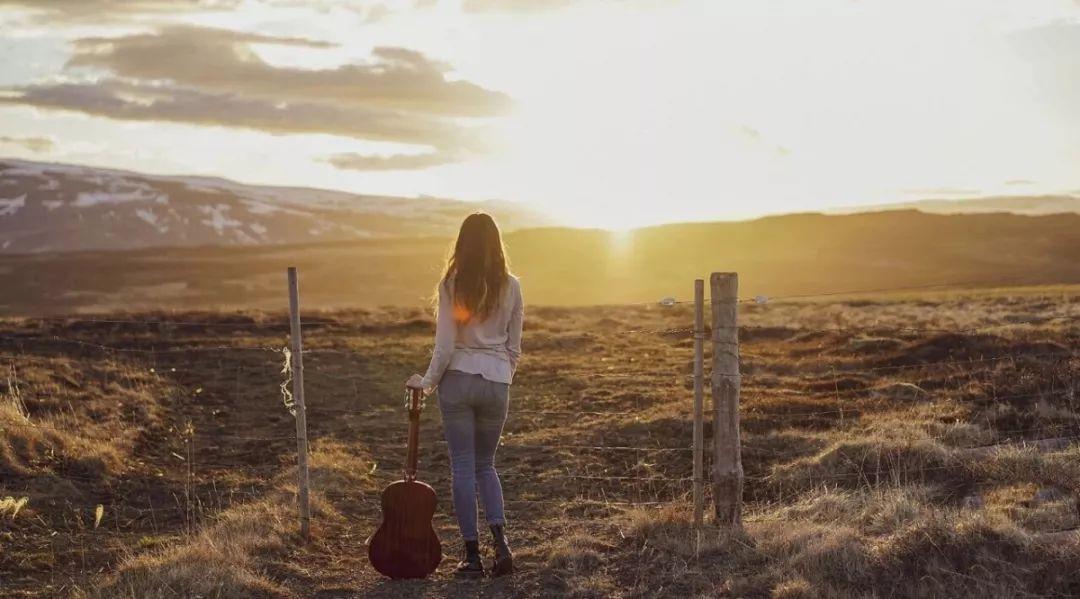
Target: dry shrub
{"points": [[789, 557], [577, 554], [666, 563], [1043, 509], [231, 556], [590, 587], [871, 511], [576, 562], [783, 443], [1027, 465], [30, 448], [795, 588], [334, 466], [963, 556], [865, 461], [831, 554], [892, 540], [965, 434], [224, 560], [668, 529], [11, 506]]}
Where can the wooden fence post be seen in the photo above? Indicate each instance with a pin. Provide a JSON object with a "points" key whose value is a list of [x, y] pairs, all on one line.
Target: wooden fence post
{"points": [[727, 454], [699, 402], [301, 412]]}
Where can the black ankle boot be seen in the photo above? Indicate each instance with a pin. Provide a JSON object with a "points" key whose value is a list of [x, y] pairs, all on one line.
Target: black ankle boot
{"points": [[472, 565], [503, 563]]}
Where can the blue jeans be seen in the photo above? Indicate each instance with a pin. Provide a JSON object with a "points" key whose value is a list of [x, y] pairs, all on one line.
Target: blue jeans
{"points": [[473, 411]]}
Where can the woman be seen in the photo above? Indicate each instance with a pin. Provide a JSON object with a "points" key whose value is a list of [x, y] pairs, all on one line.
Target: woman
{"points": [[477, 346]]}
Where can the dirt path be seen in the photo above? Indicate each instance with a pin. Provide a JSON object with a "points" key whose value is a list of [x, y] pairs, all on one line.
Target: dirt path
{"points": [[545, 439]]}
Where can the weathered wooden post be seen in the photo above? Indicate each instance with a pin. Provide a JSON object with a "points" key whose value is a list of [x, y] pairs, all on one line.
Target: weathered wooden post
{"points": [[727, 455], [699, 402], [301, 412]]}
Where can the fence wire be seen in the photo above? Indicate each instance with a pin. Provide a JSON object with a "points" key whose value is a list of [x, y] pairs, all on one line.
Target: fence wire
{"points": [[203, 471]]}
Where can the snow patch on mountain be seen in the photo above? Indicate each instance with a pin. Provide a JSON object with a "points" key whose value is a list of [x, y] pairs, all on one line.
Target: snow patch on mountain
{"points": [[151, 218], [12, 206], [41, 204], [218, 221], [138, 194], [261, 207]]}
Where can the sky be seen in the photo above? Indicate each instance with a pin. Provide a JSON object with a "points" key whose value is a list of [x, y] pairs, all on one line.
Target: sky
{"points": [[608, 113]]}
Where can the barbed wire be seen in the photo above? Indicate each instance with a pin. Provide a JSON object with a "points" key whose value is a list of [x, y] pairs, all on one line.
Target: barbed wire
{"points": [[1007, 442], [887, 472], [178, 435], [624, 480], [982, 283], [874, 327], [854, 409], [568, 447], [382, 410], [114, 349], [69, 319], [668, 331]]}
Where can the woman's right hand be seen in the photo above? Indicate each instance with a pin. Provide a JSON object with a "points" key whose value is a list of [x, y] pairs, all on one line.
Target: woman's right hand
{"points": [[415, 382]]}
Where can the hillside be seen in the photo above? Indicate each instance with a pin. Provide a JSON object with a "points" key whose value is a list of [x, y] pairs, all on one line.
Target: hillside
{"points": [[775, 256], [1033, 205], [54, 207]]}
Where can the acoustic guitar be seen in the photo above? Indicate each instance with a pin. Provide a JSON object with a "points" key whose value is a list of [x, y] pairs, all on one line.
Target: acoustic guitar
{"points": [[406, 546]]}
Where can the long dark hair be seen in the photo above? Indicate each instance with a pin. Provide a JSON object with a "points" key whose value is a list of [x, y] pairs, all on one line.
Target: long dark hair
{"points": [[477, 268]]}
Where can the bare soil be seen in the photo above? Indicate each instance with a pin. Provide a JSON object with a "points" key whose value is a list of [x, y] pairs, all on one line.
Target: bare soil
{"points": [[857, 418]]}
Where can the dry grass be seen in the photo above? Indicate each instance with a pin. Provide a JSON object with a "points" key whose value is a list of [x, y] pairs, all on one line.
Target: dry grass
{"points": [[864, 433], [843, 545], [231, 556], [224, 560]]}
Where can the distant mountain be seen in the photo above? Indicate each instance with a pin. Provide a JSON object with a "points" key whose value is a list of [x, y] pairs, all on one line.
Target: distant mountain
{"points": [[54, 207], [775, 257], [1029, 205]]}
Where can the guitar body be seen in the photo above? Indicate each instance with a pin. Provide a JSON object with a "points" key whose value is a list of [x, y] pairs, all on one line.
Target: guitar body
{"points": [[406, 546]]}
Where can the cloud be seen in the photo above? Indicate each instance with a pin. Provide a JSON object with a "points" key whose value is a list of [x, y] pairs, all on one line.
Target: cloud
{"points": [[116, 11], [942, 191], [515, 5], [1018, 182], [212, 77], [107, 10], [222, 61], [142, 102], [394, 162], [184, 37], [38, 145], [537, 6]]}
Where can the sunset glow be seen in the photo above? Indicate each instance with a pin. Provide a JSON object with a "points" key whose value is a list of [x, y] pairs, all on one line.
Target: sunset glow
{"points": [[600, 113]]}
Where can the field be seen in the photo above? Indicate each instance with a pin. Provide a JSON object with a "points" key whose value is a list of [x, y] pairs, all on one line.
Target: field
{"points": [[881, 440]]}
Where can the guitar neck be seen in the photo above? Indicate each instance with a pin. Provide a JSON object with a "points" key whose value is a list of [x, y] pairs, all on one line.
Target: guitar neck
{"points": [[412, 454]]}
